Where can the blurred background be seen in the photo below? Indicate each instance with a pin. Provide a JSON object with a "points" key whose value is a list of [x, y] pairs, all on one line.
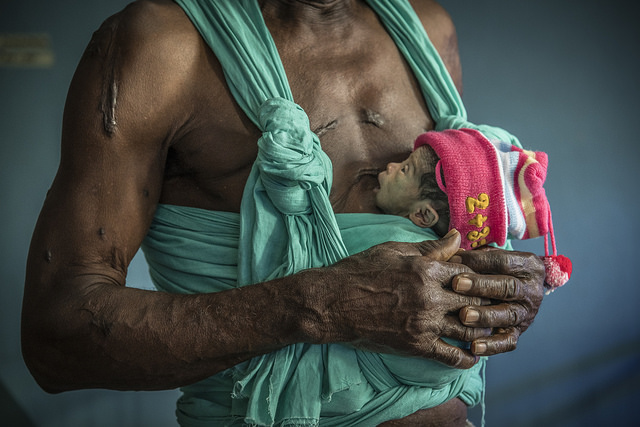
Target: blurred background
{"points": [[561, 75]]}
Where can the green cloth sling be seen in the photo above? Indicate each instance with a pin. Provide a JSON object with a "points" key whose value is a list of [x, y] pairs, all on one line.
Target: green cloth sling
{"points": [[287, 195], [192, 250]]}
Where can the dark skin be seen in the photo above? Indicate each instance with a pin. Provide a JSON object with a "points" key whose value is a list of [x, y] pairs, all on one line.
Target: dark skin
{"points": [[147, 117]]}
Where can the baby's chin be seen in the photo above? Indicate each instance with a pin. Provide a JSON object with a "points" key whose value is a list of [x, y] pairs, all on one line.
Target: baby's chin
{"points": [[377, 188]]}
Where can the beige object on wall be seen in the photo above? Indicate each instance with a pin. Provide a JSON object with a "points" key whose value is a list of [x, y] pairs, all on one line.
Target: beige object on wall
{"points": [[26, 50]]}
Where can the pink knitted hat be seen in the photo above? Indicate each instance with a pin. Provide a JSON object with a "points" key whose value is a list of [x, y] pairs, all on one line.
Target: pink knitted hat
{"points": [[495, 190]]}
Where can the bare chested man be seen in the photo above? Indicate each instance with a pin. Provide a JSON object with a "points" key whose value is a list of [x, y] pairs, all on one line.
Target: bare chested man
{"points": [[149, 119]]}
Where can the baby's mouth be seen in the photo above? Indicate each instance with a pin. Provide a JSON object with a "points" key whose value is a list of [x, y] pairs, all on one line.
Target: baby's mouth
{"points": [[371, 173]]}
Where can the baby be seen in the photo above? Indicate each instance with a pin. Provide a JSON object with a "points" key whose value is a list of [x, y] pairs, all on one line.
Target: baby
{"points": [[487, 190]]}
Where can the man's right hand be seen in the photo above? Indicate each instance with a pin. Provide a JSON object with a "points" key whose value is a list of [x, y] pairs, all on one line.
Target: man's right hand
{"points": [[397, 298]]}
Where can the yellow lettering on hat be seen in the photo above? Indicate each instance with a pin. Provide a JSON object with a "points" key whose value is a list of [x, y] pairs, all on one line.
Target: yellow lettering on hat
{"points": [[477, 235], [478, 220], [480, 203]]}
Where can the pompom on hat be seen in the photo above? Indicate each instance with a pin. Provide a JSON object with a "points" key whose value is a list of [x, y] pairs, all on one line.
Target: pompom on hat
{"points": [[495, 190]]}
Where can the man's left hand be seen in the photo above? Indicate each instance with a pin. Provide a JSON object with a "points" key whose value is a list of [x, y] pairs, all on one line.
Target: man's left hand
{"points": [[515, 281]]}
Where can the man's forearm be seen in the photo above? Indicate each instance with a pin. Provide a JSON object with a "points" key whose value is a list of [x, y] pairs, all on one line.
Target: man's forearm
{"points": [[130, 339]]}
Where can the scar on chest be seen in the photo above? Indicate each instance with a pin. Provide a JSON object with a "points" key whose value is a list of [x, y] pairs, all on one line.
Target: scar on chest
{"points": [[365, 116], [322, 129], [371, 117]]}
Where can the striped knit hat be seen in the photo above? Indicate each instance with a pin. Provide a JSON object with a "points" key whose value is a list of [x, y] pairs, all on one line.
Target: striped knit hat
{"points": [[495, 190]]}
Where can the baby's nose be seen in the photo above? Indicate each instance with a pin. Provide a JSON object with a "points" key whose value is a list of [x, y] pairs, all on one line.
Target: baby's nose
{"points": [[391, 166]]}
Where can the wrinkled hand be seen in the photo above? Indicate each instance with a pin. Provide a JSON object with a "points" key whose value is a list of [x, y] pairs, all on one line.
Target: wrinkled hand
{"points": [[514, 281], [397, 298]]}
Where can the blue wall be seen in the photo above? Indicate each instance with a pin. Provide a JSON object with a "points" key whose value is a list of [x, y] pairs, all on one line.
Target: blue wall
{"points": [[561, 77]]}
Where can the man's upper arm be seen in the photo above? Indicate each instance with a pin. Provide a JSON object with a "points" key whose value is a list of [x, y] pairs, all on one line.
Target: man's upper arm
{"points": [[442, 34], [119, 119]]}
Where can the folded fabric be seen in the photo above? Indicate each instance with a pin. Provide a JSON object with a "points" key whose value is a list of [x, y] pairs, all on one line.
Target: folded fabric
{"points": [[192, 250]]}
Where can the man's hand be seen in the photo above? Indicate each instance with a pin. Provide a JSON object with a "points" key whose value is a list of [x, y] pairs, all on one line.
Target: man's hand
{"points": [[514, 280], [397, 298]]}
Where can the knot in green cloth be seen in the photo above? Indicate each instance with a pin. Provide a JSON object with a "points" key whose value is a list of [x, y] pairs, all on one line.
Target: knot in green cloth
{"points": [[290, 159]]}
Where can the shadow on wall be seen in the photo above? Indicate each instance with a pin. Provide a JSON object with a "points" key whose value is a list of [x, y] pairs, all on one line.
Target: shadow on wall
{"points": [[594, 384], [11, 412]]}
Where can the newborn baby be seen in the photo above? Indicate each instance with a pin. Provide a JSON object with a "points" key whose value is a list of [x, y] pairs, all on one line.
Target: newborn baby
{"points": [[487, 190]]}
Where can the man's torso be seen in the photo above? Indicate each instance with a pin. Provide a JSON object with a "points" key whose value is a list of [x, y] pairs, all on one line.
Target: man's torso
{"points": [[361, 98]]}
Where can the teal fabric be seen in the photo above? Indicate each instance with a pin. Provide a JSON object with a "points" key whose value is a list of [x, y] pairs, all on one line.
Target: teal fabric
{"points": [[287, 221], [197, 248], [287, 224]]}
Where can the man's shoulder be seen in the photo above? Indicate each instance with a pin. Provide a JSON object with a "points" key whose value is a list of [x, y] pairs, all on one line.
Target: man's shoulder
{"points": [[157, 24], [430, 10], [154, 41], [442, 33], [436, 21]]}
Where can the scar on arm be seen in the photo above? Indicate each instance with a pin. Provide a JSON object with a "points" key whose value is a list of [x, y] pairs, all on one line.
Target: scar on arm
{"points": [[103, 46], [108, 107]]}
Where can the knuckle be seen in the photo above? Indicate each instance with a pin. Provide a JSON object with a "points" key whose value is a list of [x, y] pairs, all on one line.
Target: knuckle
{"points": [[526, 314], [535, 261], [512, 339], [512, 343], [417, 264], [426, 246], [451, 357], [469, 334], [506, 343], [478, 301], [458, 362], [510, 289], [533, 264], [490, 317], [514, 316], [518, 315], [521, 262], [430, 349]]}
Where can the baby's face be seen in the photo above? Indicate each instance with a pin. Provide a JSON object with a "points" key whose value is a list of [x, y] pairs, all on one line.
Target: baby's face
{"points": [[400, 184]]}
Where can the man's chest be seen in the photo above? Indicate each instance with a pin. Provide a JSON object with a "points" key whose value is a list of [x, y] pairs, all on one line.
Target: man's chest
{"points": [[362, 101], [367, 109]]}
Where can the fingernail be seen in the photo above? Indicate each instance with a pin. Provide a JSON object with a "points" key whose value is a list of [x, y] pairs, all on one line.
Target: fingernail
{"points": [[463, 284], [479, 348], [471, 315]]}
